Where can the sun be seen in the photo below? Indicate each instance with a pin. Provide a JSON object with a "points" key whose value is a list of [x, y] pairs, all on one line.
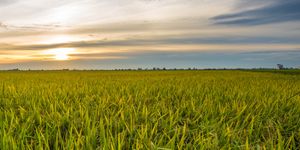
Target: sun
{"points": [[60, 54], [61, 57]]}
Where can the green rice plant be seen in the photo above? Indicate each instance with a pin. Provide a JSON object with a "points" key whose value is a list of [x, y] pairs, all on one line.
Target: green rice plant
{"points": [[150, 110]]}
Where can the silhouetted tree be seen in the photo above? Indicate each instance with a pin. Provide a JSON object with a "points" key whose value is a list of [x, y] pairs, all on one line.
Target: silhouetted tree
{"points": [[280, 66]]}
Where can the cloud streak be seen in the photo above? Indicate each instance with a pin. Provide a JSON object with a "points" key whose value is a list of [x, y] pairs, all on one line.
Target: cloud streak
{"points": [[217, 42], [33, 27], [276, 11]]}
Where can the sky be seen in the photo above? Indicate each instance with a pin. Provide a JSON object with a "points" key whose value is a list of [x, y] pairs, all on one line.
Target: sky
{"points": [[111, 34]]}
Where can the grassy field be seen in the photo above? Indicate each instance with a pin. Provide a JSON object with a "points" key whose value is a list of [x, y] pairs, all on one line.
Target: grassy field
{"points": [[150, 110]]}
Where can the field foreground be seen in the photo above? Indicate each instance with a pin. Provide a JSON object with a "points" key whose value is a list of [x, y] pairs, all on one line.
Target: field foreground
{"points": [[150, 110]]}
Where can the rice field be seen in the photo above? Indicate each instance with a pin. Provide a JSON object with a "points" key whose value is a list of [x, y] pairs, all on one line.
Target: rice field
{"points": [[149, 110]]}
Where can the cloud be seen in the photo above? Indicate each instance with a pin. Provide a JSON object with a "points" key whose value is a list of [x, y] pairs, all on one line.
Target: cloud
{"points": [[3, 25], [32, 27], [279, 56], [168, 42], [6, 2], [276, 11]]}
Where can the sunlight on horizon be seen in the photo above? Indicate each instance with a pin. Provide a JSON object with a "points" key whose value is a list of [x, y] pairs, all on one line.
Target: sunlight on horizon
{"points": [[61, 54]]}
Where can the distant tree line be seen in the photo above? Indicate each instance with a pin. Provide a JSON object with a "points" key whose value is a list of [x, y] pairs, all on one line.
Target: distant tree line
{"points": [[279, 67]]}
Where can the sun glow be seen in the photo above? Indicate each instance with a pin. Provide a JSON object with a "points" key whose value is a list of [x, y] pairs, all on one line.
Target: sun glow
{"points": [[61, 57], [60, 53], [57, 39]]}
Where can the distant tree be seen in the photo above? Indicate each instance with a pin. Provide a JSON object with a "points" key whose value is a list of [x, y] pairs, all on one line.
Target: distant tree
{"points": [[16, 69], [280, 66]]}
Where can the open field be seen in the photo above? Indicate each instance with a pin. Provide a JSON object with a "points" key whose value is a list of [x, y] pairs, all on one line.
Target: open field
{"points": [[150, 110]]}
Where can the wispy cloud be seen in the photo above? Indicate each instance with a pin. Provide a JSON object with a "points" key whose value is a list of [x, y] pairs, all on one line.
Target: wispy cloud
{"points": [[217, 43], [3, 25], [6, 2], [276, 11], [32, 27]]}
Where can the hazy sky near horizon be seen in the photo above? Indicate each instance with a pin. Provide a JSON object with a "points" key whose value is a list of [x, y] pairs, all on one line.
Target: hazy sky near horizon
{"points": [[108, 34]]}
